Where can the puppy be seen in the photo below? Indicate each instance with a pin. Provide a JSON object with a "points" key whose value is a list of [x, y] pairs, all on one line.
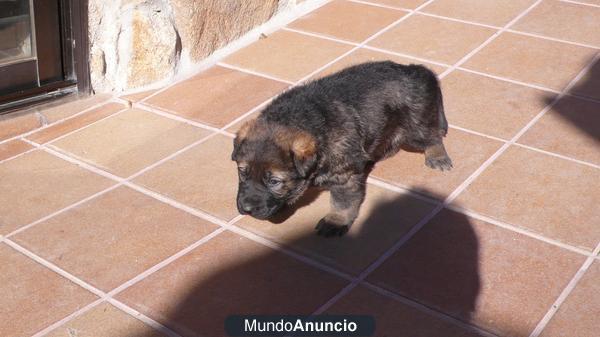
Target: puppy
{"points": [[331, 131]]}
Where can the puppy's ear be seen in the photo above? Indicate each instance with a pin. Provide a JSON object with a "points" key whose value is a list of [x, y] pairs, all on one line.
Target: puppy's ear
{"points": [[304, 152], [240, 137]]}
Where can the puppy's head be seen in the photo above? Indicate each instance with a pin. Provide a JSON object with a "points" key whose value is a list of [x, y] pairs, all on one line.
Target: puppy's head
{"points": [[274, 166]]}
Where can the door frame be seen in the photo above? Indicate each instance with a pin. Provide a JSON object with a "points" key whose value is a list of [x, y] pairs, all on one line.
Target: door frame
{"points": [[75, 60]]}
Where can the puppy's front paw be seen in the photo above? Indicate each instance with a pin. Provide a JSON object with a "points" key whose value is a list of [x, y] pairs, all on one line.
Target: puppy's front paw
{"points": [[440, 163], [329, 229]]}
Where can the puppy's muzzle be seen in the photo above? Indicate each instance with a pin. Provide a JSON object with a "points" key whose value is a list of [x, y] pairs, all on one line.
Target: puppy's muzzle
{"points": [[256, 202]]}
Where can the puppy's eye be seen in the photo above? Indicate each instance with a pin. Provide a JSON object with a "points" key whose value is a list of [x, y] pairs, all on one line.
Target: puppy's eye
{"points": [[274, 182], [243, 171]]}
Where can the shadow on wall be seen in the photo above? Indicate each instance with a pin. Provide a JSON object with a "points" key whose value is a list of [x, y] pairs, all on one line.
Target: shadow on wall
{"points": [[446, 278], [579, 113]]}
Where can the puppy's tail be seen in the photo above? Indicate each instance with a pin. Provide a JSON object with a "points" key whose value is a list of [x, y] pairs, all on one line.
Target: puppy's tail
{"points": [[440, 108]]}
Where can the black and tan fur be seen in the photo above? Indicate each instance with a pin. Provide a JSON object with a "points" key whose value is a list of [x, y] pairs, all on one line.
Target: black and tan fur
{"points": [[330, 132]]}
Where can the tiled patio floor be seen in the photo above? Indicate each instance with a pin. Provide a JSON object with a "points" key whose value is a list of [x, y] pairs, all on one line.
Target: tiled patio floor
{"points": [[119, 219]]}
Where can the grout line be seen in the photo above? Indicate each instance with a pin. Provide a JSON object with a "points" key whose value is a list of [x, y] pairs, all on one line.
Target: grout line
{"points": [[71, 316], [171, 156], [505, 79], [474, 23], [580, 3], [86, 126], [320, 36], [426, 310], [443, 17], [373, 180], [530, 85], [108, 296], [17, 155], [456, 127], [250, 112], [251, 72], [579, 44], [290, 252], [385, 51], [379, 5], [582, 162], [564, 294], [55, 268], [172, 115], [165, 262], [372, 37], [62, 210], [517, 229], [490, 39], [166, 200], [448, 18], [95, 106], [143, 318]]}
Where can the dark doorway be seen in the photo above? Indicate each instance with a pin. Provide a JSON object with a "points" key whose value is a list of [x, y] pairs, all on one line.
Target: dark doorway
{"points": [[43, 50]]}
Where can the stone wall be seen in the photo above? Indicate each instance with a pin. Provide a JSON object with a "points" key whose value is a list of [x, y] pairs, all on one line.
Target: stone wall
{"points": [[136, 43]]}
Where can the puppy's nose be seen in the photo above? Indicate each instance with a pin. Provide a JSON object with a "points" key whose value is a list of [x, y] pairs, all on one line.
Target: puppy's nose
{"points": [[247, 208]]}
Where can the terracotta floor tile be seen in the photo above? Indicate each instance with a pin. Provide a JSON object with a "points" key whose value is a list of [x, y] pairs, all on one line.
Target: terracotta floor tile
{"points": [[479, 272], [393, 318], [13, 148], [490, 106], [562, 20], [72, 124], [384, 218], [114, 237], [578, 315], [130, 141], [61, 109], [571, 128], [11, 126], [589, 84], [138, 96], [367, 55], [548, 195], [203, 177], [216, 96], [37, 184], [347, 20], [104, 321], [408, 169], [532, 60], [229, 275], [34, 296], [409, 4], [490, 12], [288, 55], [432, 38]]}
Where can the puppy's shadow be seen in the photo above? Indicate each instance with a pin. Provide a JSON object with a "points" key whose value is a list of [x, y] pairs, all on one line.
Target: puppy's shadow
{"points": [[438, 268]]}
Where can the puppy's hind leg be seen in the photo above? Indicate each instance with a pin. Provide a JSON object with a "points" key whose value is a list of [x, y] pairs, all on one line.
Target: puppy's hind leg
{"points": [[345, 204], [436, 157]]}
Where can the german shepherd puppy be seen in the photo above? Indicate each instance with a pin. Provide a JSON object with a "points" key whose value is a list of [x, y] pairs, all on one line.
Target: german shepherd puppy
{"points": [[331, 131]]}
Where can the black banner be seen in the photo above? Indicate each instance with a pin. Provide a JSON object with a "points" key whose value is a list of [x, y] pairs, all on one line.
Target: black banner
{"points": [[300, 326]]}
